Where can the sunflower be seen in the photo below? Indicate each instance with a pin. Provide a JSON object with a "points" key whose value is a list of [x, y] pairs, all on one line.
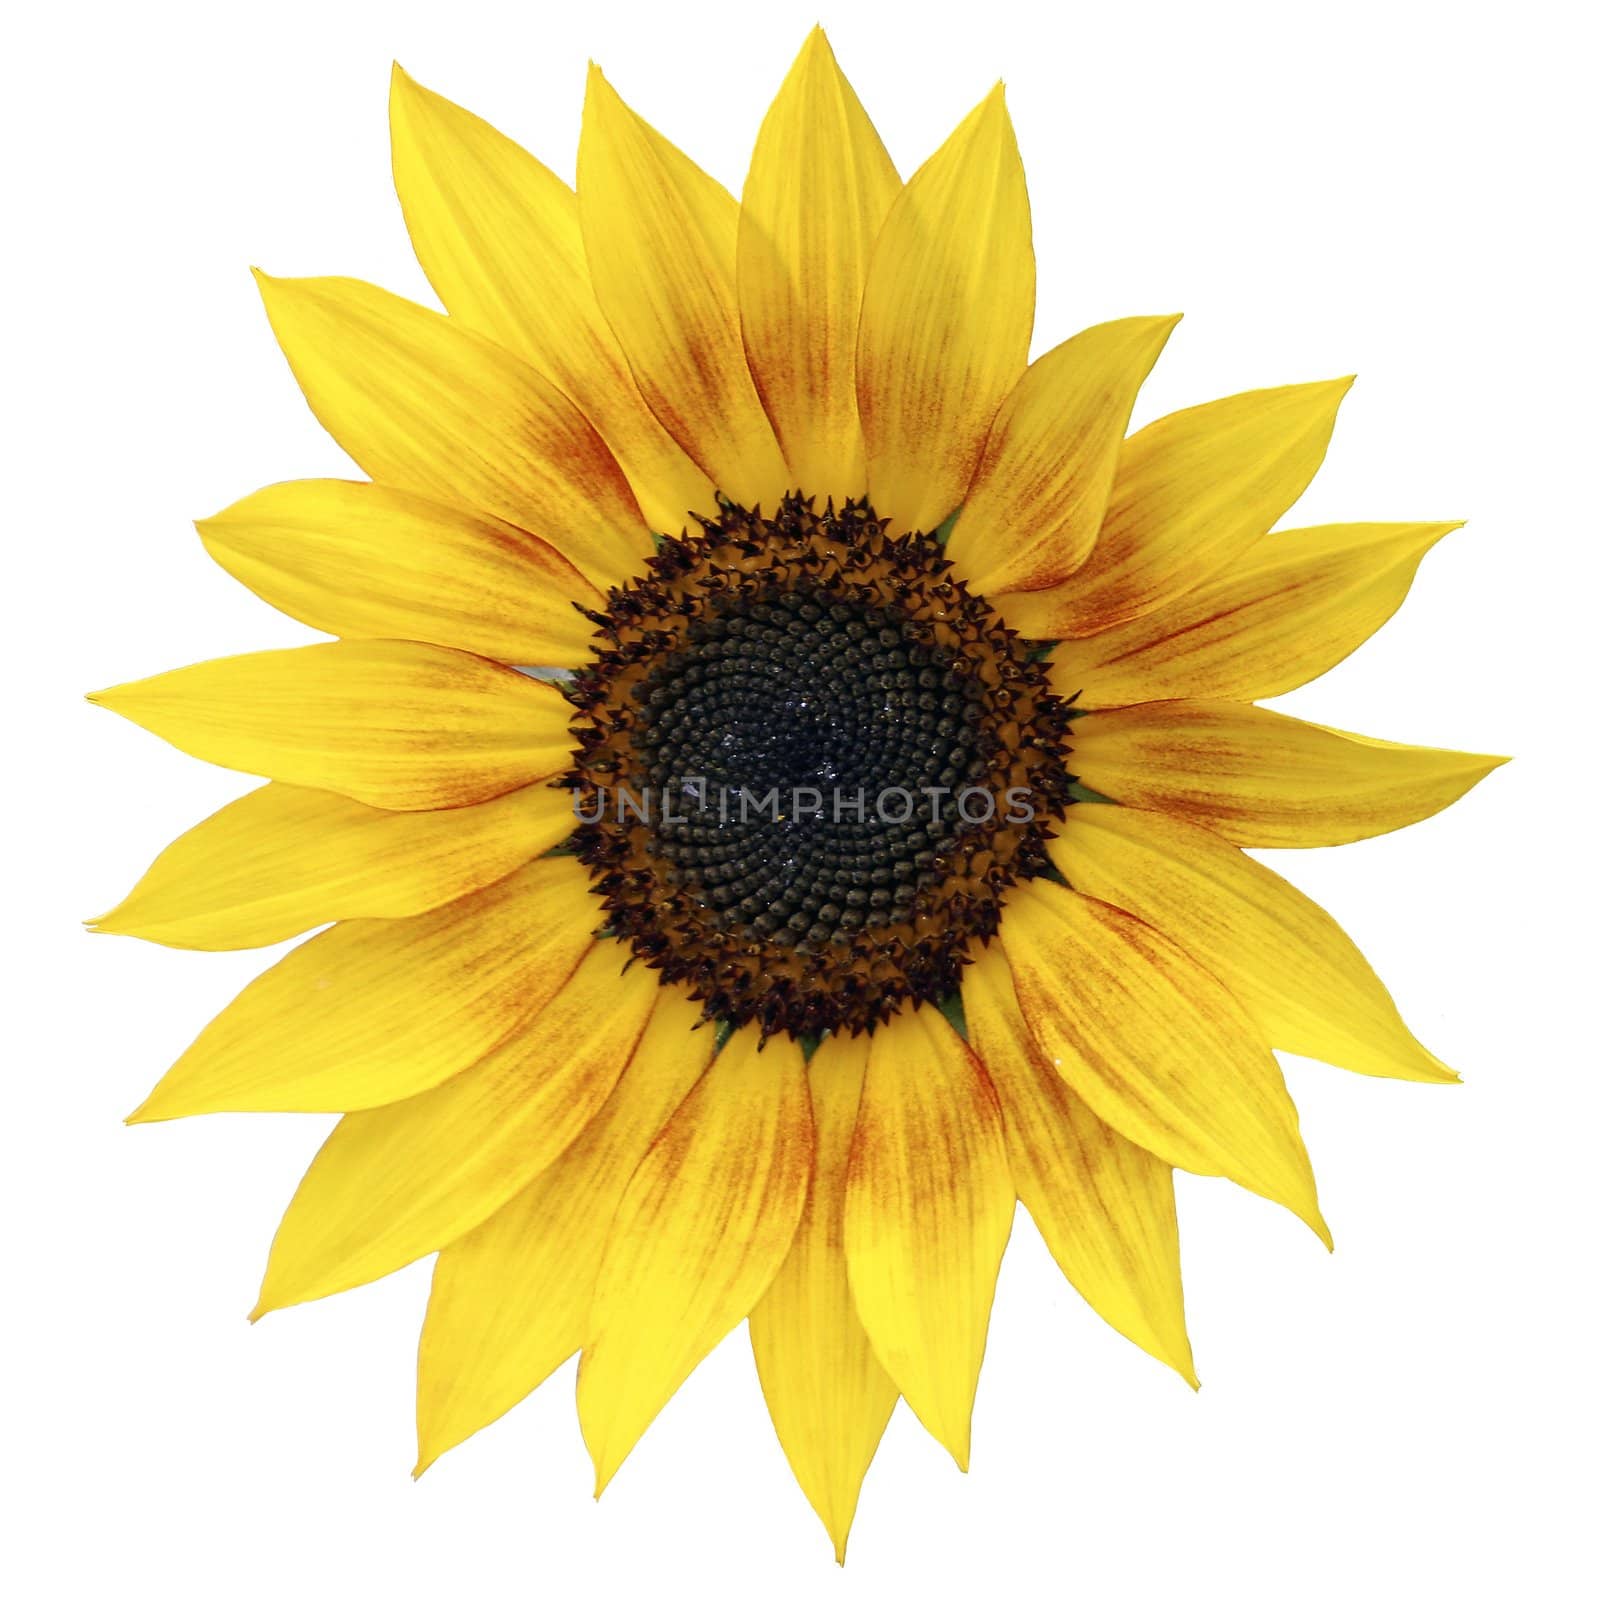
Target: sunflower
{"points": [[779, 784]]}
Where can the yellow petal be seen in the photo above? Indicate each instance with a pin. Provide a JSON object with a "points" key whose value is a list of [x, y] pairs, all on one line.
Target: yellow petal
{"points": [[1193, 492], [410, 727], [394, 1183], [1103, 1203], [830, 1399], [510, 1299], [1033, 512], [1287, 610], [819, 187], [945, 319], [926, 1217], [1260, 778], [497, 234], [702, 1229], [1155, 1045], [420, 403], [281, 860], [370, 1012], [1284, 959], [367, 562], [662, 241]]}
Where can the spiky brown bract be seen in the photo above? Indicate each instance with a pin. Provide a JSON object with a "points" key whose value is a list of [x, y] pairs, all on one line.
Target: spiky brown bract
{"points": [[883, 641]]}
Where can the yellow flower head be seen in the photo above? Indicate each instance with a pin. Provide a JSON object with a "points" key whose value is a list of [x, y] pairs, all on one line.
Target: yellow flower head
{"points": [[778, 786]]}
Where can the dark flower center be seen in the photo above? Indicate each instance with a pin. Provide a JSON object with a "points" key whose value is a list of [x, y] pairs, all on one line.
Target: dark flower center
{"points": [[828, 745], [810, 765]]}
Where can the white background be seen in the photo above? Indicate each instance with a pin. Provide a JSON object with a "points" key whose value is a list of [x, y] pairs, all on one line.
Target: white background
{"points": [[1394, 190]]}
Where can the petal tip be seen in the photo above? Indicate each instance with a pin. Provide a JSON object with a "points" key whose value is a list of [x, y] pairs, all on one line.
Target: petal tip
{"points": [[1177, 1355], [1476, 767], [274, 287], [149, 1110], [957, 1441], [600, 100], [988, 117], [271, 289], [605, 1468], [116, 699], [1427, 1067], [210, 528], [1320, 391], [992, 115], [406, 97]]}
